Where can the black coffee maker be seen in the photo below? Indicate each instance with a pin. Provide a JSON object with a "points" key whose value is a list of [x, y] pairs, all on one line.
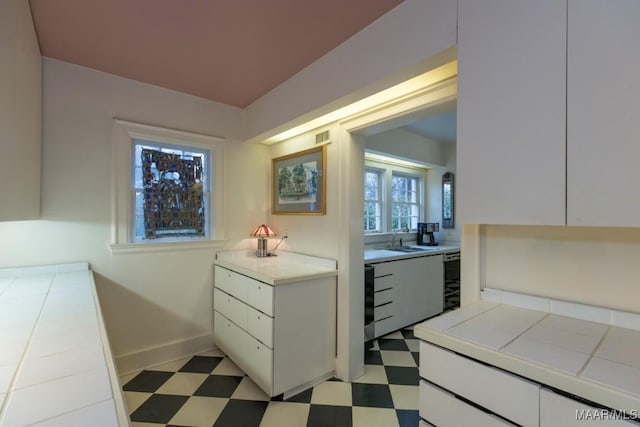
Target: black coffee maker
{"points": [[425, 233]]}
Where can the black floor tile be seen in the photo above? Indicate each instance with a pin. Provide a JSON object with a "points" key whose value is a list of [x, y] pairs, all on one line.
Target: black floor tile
{"points": [[408, 334], [408, 418], [303, 397], [372, 357], [147, 381], [245, 413], [391, 344], [371, 395], [218, 386], [402, 375], [416, 357], [328, 415], [201, 364], [158, 408]]}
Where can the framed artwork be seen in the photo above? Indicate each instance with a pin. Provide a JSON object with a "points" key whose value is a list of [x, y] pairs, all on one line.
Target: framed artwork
{"points": [[299, 183]]}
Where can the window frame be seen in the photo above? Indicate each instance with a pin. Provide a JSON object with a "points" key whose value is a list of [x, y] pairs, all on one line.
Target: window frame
{"points": [[379, 201], [419, 191], [387, 167], [125, 135]]}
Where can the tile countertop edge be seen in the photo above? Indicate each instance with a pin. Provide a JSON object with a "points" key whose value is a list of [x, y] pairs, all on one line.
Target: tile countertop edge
{"points": [[308, 267], [389, 255], [566, 382]]}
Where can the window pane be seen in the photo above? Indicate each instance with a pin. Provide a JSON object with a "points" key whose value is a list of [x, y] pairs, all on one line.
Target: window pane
{"points": [[170, 191]]}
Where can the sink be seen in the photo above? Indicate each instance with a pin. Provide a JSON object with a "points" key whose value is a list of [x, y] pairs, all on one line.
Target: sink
{"points": [[412, 249]]}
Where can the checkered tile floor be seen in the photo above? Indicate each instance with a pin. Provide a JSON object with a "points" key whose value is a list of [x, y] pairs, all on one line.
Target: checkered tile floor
{"points": [[209, 390]]}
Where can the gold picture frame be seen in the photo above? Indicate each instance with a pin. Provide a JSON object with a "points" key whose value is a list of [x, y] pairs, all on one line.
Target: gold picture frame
{"points": [[299, 183]]}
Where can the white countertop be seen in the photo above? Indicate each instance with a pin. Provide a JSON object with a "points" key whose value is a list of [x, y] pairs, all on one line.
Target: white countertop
{"points": [[56, 367], [287, 267], [381, 255], [597, 361]]}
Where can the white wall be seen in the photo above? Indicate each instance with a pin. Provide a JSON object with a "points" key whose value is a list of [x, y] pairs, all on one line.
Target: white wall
{"points": [[414, 37], [597, 266], [150, 300]]}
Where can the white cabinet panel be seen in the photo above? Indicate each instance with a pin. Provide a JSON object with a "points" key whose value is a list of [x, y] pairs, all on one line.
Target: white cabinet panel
{"points": [[511, 138], [444, 410], [260, 326], [232, 283], [260, 296], [602, 113], [560, 411], [231, 308], [383, 311], [512, 397]]}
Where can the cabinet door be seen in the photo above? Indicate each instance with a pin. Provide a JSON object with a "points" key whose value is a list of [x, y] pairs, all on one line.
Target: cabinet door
{"points": [[511, 111], [603, 113], [560, 411]]}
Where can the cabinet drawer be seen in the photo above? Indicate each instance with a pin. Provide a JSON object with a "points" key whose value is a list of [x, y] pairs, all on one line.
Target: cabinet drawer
{"points": [[383, 311], [384, 282], [382, 297], [232, 283], [253, 357], [444, 410], [260, 326], [560, 411], [511, 397], [260, 296], [385, 326], [384, 268], [231, 308]]}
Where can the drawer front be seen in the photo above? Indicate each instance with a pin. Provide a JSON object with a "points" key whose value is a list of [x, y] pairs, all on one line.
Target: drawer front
{"points": [[253, 357], [385, 326], [511, 397], [560, 411], [382, 297], [260, 326], [381, 283], [384, 268], [260, 296], [231, 308], [231, 282], [444, 410], [383, 311]]}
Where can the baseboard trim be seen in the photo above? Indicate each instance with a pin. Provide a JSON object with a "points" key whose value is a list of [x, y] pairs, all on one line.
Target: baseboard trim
{"points": [[141, 359]]}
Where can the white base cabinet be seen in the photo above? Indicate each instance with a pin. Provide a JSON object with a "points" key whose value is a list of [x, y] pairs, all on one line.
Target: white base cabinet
{"points": [[407, 291], [557, 410], [282, 336]]}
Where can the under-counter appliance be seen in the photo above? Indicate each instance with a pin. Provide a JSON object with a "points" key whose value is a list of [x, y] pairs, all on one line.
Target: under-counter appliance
{"points": [[451, 280], [369, 302], [425, 233]]}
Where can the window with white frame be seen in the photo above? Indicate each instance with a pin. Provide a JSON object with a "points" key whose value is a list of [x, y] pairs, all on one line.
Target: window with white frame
{"points": [[405, 201], [372, 201], [167, 187], [393, 196]]}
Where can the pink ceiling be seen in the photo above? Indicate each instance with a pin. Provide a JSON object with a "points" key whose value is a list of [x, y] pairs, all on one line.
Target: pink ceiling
{"points": [[229, 51]]}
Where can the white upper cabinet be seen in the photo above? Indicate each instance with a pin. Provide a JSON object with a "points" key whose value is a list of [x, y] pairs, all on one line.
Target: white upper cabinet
{"points": [[603, 115], [511, 111], [20, 113]]}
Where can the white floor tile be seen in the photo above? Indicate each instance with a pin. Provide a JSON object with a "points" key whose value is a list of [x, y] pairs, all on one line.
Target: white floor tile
{"points": [[414, 345], [227, 367], [279, 414], [182, 384], [199, 412], [374, 417], [173, 366], [404, 396], [332, 393], [248, 390], [212, 353], [373, 374], [134, 399], [395, 335]]}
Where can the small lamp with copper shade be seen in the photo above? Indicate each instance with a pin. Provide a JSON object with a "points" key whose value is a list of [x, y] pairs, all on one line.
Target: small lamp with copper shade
{"points": [[262, 232]]}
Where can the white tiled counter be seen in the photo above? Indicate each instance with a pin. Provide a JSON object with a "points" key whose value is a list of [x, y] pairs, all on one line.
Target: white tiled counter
{"points": [[56, 367], [585, 352]]}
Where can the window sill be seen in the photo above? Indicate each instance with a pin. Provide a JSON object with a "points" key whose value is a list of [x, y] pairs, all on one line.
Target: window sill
{"points": [[128, 248]]}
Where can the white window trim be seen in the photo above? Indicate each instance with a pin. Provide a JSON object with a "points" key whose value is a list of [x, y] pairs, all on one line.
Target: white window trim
{"points": [[387, 168], [124, 132], [381, 196]]}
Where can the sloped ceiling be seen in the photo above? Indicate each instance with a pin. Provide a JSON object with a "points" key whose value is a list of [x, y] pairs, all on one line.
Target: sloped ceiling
{"points": [[229, 51]]}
